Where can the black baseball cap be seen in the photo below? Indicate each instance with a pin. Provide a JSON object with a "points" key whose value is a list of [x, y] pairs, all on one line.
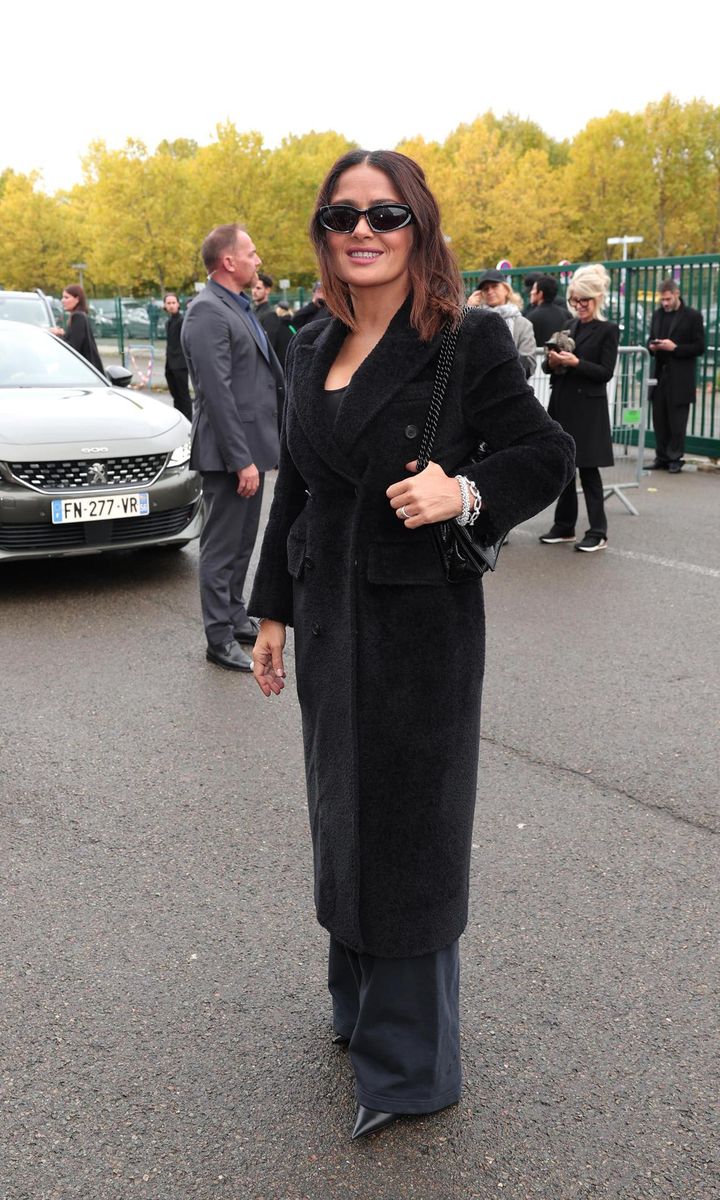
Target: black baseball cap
{"points": [[491, 277]]}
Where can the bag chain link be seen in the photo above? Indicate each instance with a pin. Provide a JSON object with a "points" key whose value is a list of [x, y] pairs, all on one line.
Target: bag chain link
{"points": [[442, 378]]}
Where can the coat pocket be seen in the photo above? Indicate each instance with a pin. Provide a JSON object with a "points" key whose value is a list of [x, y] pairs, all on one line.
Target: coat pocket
{"points": [[415, 562]]}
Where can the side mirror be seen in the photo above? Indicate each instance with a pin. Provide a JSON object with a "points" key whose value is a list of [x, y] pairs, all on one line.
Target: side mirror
{"points": [[119, 376]]}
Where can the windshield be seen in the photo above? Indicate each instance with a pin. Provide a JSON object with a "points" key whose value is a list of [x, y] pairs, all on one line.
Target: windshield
{"points": [[31, 358], [29, 309]]}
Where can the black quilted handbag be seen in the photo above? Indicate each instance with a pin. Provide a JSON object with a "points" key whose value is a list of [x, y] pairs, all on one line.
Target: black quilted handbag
{"points": [[464, 555]]}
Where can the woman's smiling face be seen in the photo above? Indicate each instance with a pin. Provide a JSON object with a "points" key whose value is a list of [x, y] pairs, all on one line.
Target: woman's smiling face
{"points": [[363, 258]]}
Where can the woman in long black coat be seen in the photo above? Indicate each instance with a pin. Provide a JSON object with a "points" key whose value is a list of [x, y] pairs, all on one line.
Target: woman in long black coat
{"points": [[389, 655], [79, 332], [579, 402]]}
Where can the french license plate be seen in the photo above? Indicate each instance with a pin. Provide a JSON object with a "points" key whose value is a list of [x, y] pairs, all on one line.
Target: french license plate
{"points": [[100, 508]]}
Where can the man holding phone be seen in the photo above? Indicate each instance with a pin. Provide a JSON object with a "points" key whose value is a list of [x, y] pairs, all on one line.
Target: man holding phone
{"points": [[677, 339]]}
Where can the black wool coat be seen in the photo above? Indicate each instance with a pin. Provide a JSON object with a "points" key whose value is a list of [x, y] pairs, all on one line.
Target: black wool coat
{"points": [[676, 369], [389, 656], [80, 336], [174, 357], [546, 319], [278, 333], [578, 399]]}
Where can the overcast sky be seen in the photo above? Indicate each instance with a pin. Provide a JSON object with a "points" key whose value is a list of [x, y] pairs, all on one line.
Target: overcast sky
{"points": [[376, 71]]}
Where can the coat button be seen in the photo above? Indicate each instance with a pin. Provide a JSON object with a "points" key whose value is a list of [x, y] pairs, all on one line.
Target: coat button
{"points": [[309, 564], [411, 431], [316, 629]]}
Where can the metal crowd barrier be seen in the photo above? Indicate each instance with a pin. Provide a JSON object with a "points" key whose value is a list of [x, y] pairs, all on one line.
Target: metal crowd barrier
{"points": [[628, 407]]}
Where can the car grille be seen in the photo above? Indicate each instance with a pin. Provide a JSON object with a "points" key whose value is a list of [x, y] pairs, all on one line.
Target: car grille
{"points": [[78, 475], [95, 533]]}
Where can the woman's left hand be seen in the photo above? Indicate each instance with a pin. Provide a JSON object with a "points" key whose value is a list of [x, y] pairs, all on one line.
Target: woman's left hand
{"points": [[426, 498], [563, 358]]}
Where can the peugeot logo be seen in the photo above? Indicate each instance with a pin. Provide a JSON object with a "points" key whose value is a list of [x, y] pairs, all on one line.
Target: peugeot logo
{"points": [[93, 449], [97, 473]]}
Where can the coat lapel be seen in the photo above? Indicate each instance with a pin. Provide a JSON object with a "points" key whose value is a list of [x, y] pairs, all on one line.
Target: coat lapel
{"points": [[247, 323], [398, 357], [675, 320], [261, 343], [310, 365]]}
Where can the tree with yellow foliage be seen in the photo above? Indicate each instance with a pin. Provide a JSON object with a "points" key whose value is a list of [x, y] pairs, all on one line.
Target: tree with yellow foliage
{"points": [[138, 218], [293, 174], [36, 239], [608, 185], [506, 190]]}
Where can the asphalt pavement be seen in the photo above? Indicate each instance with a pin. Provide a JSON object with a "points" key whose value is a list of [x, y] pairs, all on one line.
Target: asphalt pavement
{"points": [[164, 1019]]}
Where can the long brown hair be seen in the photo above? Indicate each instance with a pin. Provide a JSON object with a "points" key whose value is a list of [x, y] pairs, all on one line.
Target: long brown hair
{"points": [[74, 289], [437, 290]]}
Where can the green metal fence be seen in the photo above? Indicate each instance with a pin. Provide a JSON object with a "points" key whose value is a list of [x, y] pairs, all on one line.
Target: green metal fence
{"points": [[132, 330], [137, 325], [633, 299], [129, 320]]}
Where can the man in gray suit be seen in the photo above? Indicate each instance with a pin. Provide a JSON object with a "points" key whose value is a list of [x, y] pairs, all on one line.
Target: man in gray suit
{"points": [[238, 384]]}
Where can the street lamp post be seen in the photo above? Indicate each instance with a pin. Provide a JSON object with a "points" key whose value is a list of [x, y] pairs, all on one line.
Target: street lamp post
{"points": [[624, 241], [79, 267]]}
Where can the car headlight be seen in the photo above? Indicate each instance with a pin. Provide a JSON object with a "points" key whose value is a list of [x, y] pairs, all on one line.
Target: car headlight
{"points": [[179, 456]]}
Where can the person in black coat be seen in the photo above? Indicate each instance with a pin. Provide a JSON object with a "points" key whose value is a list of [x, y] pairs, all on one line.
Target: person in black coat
{"points": [[176, 368], [279, 333], [578, 401], [79, 332], [530, 285], [389, 655], [545, 316], [316, 309], [677, 339]]}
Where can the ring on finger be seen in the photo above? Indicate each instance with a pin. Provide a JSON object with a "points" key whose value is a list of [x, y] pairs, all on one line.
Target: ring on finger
{"points": [[402, 512]]}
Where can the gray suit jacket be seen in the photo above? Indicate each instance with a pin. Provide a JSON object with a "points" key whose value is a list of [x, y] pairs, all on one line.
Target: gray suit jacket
{"points": [[238, 386]]}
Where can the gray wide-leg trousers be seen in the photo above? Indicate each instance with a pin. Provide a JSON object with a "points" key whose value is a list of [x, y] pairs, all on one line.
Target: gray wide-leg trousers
{"points": [[226, 545], [401, 1016]]}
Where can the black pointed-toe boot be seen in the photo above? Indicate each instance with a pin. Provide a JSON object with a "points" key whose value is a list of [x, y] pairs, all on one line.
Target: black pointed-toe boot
{"points": [[369, 1120]]}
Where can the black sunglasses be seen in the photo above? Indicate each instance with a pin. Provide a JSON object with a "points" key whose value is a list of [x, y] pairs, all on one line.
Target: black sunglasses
{"points": [[382, 218]]}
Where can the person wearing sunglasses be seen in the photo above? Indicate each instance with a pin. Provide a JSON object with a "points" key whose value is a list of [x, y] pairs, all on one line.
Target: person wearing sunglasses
{"points": [[578, 401], [388, 653]]}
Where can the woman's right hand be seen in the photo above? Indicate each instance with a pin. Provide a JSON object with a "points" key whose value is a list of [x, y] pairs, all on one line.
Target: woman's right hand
{"points": [[267, 655]]}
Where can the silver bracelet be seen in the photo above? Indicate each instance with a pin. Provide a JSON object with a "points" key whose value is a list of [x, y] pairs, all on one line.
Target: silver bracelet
{"points": [[476, 502], [464, 516]]}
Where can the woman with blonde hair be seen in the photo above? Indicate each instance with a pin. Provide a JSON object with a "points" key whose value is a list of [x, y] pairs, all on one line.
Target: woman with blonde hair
{"points": [[494, 291], [579, 403]]}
